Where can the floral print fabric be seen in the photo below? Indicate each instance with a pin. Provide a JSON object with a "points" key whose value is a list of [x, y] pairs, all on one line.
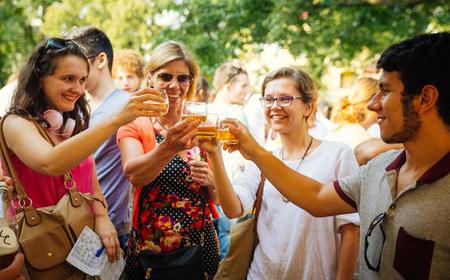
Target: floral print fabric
{"points": [[171, 212]]}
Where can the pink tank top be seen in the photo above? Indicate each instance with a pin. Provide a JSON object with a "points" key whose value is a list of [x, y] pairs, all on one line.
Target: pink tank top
{"points": [[46, 190]]}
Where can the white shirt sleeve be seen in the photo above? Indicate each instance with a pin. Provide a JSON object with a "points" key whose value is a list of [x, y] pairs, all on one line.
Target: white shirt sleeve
{"points": [[246, 186]]}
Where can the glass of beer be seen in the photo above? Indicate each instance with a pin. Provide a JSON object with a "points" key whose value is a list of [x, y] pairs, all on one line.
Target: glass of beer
{"points": [[224, 135], [164, 106], [194, 110], [208, 127]]}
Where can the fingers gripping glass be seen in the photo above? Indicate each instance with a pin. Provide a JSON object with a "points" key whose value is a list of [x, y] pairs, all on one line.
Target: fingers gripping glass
{"points": [[282, 101], [167, 78], [374, 242]]}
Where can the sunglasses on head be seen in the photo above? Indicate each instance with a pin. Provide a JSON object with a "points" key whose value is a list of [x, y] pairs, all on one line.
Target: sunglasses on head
{"points": [[54, 44], [167, 78]]}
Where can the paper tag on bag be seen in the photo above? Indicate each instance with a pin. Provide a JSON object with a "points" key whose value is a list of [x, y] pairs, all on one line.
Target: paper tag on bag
{"points": [[83, 254]]}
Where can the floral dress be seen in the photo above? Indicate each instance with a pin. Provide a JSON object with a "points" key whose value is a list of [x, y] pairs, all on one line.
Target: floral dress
{"points": [[171, 215]]}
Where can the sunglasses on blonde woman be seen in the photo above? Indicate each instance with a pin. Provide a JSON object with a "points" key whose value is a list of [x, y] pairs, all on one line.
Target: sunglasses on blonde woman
{"points": [[167, 78]]}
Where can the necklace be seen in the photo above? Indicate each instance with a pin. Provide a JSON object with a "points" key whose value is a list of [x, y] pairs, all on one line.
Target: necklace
{"points": [[160, 124], [298, 166]]}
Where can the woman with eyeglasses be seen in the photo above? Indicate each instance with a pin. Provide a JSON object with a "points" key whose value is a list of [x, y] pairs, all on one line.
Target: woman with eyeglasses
{"points": [[50, 93], [172, 177], [292, 243]]}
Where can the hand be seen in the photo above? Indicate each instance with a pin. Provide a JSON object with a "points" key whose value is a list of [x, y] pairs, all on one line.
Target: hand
{"points": [[208, 144], [180, 136], [247, 145], [108, 235], [6, 183], [12, 272], [7, 180], [138, 107], [200, 172]]}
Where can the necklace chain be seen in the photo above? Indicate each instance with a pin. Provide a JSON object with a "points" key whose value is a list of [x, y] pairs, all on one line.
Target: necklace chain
{"points": [[160, 124], [298, 166]]}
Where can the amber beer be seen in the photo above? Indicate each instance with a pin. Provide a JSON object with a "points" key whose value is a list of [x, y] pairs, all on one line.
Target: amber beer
{"points": [[164, 107], [226, 137], [206, 130], [201, 118]]}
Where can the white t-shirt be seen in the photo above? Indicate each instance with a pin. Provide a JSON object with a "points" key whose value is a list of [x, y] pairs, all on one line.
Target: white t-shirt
{"points": [[293, 244]]}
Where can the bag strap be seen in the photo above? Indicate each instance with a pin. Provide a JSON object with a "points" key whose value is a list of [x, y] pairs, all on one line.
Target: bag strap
{"points": [[259, 194], [7, 164]]}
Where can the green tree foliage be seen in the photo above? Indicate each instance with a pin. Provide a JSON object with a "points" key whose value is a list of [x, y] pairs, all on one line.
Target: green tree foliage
{"points": [[128, 23], [326, 31], [17, 33]]}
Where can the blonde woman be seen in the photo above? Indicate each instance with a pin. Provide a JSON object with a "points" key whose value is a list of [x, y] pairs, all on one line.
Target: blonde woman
{"points": [[171, 176], [352, 116]]}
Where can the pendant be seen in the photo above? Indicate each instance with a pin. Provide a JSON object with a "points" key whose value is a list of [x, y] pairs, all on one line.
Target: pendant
{"points": [[285, 200]]}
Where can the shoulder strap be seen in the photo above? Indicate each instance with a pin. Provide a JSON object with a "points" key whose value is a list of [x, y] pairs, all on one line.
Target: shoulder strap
{"points": [[259, 195], [6, 159], [7, 164]]}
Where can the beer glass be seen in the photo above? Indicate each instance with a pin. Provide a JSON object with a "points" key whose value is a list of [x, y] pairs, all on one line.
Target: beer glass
{"points": [[164, 106], [194, 110], [224, 135]]}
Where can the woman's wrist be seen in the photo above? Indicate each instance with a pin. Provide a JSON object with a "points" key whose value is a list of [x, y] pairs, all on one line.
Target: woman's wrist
{"points": [[167, 149]]}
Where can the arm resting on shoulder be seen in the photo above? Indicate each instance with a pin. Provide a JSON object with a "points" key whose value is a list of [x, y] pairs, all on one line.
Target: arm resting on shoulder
{"points": [[369, 149]]}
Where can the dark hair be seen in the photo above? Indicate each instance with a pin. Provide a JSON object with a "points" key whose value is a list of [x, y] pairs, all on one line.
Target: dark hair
{"points": [[28, 99], [420, 61], [93, 41]]}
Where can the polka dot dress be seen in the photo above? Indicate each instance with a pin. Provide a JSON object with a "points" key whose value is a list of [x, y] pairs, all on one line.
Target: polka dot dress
{"points": [[171, 217]]}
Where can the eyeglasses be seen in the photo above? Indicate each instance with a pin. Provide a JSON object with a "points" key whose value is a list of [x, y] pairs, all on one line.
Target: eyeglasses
{"points": [[167, 78], [374, 249], [282, 101]]}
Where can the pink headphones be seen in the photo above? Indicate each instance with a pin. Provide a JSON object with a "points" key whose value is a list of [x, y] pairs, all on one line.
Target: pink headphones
{"points": [[55, 120]]}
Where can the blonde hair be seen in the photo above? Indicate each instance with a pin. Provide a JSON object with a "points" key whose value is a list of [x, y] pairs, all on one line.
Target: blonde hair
{"points": [[129, 60], [227, 73], [353, 109], [303, 83], [170, 51]]}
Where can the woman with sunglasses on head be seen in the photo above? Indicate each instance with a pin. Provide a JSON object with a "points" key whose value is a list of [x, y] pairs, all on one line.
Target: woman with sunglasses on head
{"points": [[231, 84], [292, 243], [172, 178], [50, 94]]}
